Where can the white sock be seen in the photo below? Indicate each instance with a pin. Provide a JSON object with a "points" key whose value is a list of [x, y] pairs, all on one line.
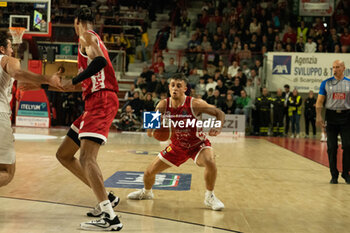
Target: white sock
{"points": [[209, 193], [106, 207], [147, 191]]}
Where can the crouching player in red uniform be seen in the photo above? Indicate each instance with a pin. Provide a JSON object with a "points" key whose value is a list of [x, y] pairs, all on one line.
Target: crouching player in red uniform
{"points": [[186, 142]]}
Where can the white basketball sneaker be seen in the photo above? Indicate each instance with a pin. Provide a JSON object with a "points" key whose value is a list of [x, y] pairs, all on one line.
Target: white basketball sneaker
{"points": [[213, 202], [96, 212], [141, 194], [103, 224]]}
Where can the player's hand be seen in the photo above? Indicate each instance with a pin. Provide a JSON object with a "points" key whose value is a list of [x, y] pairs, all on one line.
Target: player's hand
{"points": [[67, 85], [55, 80], [320, 122], [28, 86], [214, 131]]}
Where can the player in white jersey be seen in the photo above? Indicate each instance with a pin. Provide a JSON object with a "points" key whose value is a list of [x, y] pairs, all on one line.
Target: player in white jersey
{"points": [[10, 67]]}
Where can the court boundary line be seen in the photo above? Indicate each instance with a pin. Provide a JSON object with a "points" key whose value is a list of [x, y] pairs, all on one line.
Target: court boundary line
{"points": [[125, 212]]}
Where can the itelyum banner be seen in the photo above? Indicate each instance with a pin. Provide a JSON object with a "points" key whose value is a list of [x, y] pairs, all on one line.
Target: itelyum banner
{"points": [[164, 181]]}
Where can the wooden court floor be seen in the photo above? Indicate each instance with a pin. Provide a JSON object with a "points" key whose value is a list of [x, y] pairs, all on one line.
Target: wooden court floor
{"points": [[264, 187]]}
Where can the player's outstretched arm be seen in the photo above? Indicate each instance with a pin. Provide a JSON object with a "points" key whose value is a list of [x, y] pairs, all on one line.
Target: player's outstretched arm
{"points": [[200, 106], [13, 69], [161, 107]]}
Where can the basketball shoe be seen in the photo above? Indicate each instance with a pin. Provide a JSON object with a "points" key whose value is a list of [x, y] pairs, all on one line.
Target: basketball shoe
{"points": [[96, 212], [103, 224], [213, 202], [141, 195]]}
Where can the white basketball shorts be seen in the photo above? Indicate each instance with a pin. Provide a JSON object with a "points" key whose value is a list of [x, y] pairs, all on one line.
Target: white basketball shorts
{"points": [[7, 149]]}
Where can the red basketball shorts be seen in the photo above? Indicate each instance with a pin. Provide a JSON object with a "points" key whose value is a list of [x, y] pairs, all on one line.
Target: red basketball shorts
{"points": [[100, 109], [175, 155]]}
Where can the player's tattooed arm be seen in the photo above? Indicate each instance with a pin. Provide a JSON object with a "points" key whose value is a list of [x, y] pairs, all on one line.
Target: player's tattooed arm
{"points": [[200, 106]]}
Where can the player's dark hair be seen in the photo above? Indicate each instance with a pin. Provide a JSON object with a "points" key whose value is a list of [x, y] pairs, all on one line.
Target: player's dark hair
{"points": [[84, 14], [180, 77], [4, 38]]}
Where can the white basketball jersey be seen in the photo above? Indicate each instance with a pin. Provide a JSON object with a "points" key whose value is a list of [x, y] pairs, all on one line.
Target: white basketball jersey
{"points": [[5, 89]]}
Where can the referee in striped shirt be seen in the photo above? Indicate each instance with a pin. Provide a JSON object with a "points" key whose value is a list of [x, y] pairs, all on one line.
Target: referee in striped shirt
{"points": [[335, 91]]}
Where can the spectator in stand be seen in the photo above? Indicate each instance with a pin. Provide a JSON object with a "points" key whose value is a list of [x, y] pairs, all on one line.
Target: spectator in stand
{"points": [[234, 51], [233, 69], [243, 105], [236, 88], [289, 48], [155, 98], [148, 105], [257, 67], [128, 119], [250, 90], [193, 78], [279, 47], [146, 73], [229, 106], [277, 41], [299, 46], [129, 95], [162, 86], [184, 25], [218, 75], [211, 83], [320, 49], [246, 70], [170, 69], [310, 46], [216, 100], [345, 38], [302, 31], [291, 35], [185, 69], [204, 19], [254, 26], [245, 55], [270, 38], [332, 42], [193, 43], [310, 114], [344, 49], [211, 26], [294, 112], [254, 44], [221, 88], [157, 64], [205, 75], [137, 104], [151, 86], [205, 43], [223, 69], [216, 43], [160, 73], [209, 93], [201, 87], [242, 77], [140, 83]]}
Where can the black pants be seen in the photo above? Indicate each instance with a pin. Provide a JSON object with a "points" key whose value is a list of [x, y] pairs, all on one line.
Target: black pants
{"points": [[308, 120], [332, 147], [278, 128], [286, 126]]}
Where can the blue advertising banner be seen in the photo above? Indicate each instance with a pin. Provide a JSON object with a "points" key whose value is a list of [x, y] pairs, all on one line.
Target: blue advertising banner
{"points": [[164, 181], [36, 109]]}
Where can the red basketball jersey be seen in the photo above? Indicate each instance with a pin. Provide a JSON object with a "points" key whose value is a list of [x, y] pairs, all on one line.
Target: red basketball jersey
{"points": [[181, 134], [103, 80]]}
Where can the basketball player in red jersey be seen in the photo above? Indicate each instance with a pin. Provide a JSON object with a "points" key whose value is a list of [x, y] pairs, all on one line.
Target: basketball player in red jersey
{"points": [[99, 85], [186, 143]]}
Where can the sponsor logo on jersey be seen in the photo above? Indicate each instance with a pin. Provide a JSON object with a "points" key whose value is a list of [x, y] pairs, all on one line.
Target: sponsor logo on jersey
{"points": [[338, 96]]}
